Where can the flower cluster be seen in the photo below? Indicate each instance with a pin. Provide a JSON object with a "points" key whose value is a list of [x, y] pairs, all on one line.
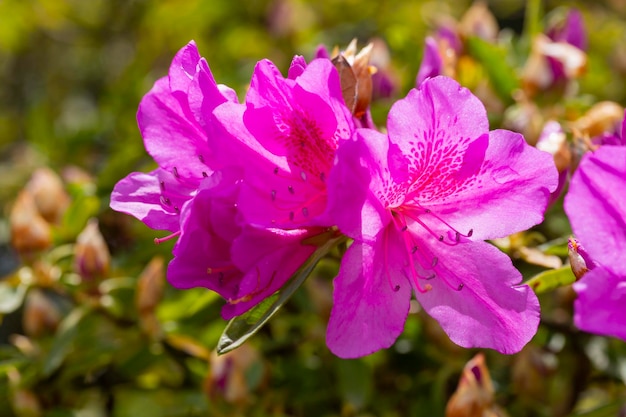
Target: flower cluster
{"points": [[251, 189]]}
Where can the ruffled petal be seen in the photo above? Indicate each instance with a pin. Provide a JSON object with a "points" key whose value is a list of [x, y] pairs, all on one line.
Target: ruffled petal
{"points": [[596, 206], [599, 307], [155, 198], [513, 185], [170, 133], [371, 300], [476, 296]]}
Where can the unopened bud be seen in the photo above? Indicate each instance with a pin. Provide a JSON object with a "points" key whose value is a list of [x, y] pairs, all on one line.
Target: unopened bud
{"points": [[579, 259], [475, 394], [91, 254], [29, 231], [479, 21], [227, 377], [49, 195], [149, 292], [41, 315], [355, 73]]}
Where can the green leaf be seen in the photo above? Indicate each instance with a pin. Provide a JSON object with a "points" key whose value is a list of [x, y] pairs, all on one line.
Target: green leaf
{"points": [[551, 279], [66, 334], [493, 58], [11, 297], [241, 328]]}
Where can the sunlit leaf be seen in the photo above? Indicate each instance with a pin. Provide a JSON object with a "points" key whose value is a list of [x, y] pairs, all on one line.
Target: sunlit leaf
{"points": [[241, 328], [11, 297], [551, 279]]}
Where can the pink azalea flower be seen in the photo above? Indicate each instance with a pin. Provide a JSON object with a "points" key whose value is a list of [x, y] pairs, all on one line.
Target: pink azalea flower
{"points": [[596, 207], [419, 203], [242, 186]]}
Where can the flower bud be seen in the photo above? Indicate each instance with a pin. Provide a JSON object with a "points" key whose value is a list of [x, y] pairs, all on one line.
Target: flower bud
{"points": [[49, 195], [474, 397], [228, 377], [29, 231], [355, 74], [479, 21], [149, 292], [91, 255], [41, 315], [579, 259]]}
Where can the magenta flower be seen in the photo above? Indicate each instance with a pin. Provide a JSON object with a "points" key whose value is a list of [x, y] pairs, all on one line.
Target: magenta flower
{"points": [[596, 207], [242, 186], [419, 202], [432, 62]]}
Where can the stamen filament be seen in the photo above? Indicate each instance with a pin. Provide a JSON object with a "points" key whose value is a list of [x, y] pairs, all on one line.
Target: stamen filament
{"points": [[159, 240]]}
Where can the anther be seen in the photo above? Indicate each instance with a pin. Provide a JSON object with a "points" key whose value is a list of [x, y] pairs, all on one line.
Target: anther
{"points": [[201, 158], [204, 174], [176, 209], [290, 188], [460, 287], [276, 171], [414, 249], [305, 212], [396, 288], [434, 262], [162, 184], [165, 201], [470, 233], [440, 238], [175, 171], [291, 215], [303, 175], [457, 237], [404, 228]]}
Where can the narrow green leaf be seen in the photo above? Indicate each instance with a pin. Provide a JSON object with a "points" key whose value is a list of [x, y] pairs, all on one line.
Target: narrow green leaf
{"points": [[241, 328], [493, 58], [551, 279], [64, 339]]}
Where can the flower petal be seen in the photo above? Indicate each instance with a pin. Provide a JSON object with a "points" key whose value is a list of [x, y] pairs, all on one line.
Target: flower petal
{"points": [[432, 64], [355, 183], [599, 307], [155, 198], [513, 185], [270, 257], [170, 133], [596, 206], [490, 310], [370, 301]]}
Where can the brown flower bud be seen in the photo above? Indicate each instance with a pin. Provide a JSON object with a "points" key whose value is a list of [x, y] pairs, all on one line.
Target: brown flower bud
{"points": [[149, 292], [29, 231], [479, 21], [49, 195], [474, 397], [355, 73], [91, 254], [227, 377], [41, 315]]}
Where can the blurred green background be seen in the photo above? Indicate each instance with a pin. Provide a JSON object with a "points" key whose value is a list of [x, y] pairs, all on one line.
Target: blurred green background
{"points": [[71, 76]]}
